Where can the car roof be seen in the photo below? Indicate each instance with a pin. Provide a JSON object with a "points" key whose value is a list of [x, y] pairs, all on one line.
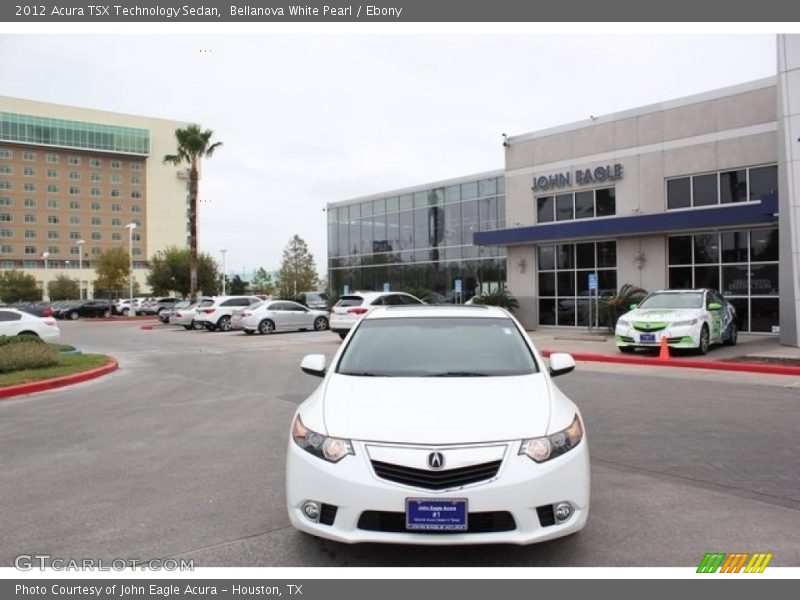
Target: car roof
{"points": [[373, 295], [437, 310], [686, 291]]}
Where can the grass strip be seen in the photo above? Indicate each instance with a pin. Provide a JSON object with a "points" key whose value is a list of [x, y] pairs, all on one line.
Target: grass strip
{"points": [[68, 365]]}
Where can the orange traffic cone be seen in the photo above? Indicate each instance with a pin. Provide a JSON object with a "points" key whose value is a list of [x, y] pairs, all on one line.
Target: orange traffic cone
{"points": [[664, 353]]}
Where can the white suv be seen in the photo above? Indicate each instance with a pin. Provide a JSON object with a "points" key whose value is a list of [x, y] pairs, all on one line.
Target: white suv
{"points": [[215, 313], [350, 308]]}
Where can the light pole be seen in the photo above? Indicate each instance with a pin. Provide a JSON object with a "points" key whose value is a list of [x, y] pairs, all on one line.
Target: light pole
{"points": [[80, 244], [46, 292], [223, 271], [131, 227]]}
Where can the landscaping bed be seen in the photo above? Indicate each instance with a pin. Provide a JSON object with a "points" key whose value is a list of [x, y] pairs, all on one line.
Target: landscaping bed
{"points": [[28, 359]]}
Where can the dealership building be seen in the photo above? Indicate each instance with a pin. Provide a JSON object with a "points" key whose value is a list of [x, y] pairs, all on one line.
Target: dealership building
{"points": [[702, 191], [74, 182]]}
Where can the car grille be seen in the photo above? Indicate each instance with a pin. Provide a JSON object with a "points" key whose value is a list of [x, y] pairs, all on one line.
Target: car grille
{"points": [[395, 522], [644, 326], [436, 480]]}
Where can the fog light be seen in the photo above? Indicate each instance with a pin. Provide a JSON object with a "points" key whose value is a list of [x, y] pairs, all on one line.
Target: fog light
{"points": [[562, 512], [311, 510]]}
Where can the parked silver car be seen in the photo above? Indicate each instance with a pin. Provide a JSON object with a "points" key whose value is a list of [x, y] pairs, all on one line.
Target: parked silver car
{"points": [[282, 315]]}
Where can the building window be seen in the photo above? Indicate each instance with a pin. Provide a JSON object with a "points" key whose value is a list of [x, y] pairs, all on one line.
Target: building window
{"points": [[29, 187], [52, 173], [96, 206], [53, 219], [136, 252], [96, 177], [6, 264], [30, 249], [74, 220], [74, 205], [6, 154], [7, 249], [28, 218], [74, 175], [30, 203], [96, 250], [54, 249], [52, 158], [135, 208], [6, 201], [584, 204], [74, 235], [5, 218], [53, 204], [5, 170], [6, 233], [743, 265], [563, 280], [136, 166], [53, 235], [136, 180], [95, 192], [95, 162], [115, 193], [97, 221], [136, 194], [116, 208], [29, 172], [74, 250], [724, 187], [74, 160], [5, 185], [30, 234], [116, 179], [116, 237], [96, 236], [137, 222], [136, 237], [52, 188], [28, 155], [115, 164], [74, 191]]}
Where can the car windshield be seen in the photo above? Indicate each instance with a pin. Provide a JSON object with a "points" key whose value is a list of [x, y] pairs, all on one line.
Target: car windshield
{"points": [[688, 300], [437, 347], [314, 297]]}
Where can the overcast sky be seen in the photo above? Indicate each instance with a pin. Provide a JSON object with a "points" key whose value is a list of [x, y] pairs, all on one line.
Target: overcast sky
{"points": [[312, 119]]}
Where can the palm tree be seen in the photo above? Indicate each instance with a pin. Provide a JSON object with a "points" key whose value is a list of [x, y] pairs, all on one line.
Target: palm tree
{"points": [[193, 144]]}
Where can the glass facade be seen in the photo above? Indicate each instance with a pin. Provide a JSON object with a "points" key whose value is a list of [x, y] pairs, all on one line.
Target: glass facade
{"points": [[419, 240], [743, 265], [73, 134], [724, 187]]}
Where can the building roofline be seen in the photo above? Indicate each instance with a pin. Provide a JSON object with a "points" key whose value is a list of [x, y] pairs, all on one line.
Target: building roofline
{"points": [[739, 88], [419, 188]]}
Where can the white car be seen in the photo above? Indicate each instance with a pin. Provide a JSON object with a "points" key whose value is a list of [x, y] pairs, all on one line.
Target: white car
{"points": [[185, 317], [438, 425], [18, 322], [692, 319], [351, 307], [215, 313], [280, 315]]}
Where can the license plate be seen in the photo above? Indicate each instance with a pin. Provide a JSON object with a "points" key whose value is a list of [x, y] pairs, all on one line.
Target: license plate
{"points": [[448, 514], [647, 337]]}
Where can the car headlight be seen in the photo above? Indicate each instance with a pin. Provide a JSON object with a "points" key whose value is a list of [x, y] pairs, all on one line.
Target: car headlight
{"points": [[328, 448], [542, 449], [623, 322], [684, 323]]}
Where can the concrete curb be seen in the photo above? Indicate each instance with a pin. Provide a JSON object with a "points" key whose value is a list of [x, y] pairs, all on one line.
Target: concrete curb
{"points": [[713, 365], [118, 319], [57, 382]]}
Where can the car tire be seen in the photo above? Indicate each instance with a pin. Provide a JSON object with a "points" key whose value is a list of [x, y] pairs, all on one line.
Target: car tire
{"points": [[188, 327], [73, 315], [733, 335], [342, 334], [320, 324], [266, 327], [703, 344], [209, 326], [125, 312], [224, 323], [196, 326], [626, 349]]}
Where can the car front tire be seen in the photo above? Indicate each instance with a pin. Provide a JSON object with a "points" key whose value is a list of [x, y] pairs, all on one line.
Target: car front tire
{"points": [[733, 335], [704, 343], [320, 324], [266, 327], [224, 323], [73, 316]]}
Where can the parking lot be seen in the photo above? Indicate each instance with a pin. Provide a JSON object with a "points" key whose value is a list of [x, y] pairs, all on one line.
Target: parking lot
{"points": [[180, 454]]}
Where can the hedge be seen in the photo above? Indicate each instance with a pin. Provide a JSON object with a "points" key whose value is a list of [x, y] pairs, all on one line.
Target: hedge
{"points": [[15, 356]]}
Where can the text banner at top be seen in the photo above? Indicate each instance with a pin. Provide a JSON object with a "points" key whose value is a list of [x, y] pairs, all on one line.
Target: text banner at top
{"points": [[404, 11]]}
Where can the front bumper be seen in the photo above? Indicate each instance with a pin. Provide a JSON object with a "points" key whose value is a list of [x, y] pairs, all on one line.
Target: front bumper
{"points": [[687, 336], [519, 488]]}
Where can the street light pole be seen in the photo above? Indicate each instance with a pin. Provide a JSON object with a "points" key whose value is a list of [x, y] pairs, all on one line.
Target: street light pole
{"points": [[45, 292], [131, 227], [223, 271], [80, 244]]}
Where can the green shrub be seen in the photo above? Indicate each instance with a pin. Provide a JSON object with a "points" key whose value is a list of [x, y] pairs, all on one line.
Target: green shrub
{"points": [[19, 356], [8, 340], [498, 297]]}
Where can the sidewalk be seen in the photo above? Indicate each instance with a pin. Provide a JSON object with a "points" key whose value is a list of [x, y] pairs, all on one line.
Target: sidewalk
{"points": [[763, 353]]}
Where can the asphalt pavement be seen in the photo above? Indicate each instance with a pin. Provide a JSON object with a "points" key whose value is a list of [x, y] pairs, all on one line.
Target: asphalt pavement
{"points": [[180, 454]]}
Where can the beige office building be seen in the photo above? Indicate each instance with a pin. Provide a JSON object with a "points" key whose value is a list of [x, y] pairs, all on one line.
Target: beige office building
{"points": [[72, 181]]}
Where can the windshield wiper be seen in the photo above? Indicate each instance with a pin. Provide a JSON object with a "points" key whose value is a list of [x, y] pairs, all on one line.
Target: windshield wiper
{"points": [[458, 374], [363, 374]]}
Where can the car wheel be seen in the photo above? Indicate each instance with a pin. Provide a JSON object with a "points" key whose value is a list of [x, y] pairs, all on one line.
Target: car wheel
{"points": [[74, 315], [196, 325], [342, 335], [209, 326], [224, 323], [702, 346], [27, 334], [320, 324], [188, 327], [266, 327], [626, 349], [125, 312], [733, 335]]}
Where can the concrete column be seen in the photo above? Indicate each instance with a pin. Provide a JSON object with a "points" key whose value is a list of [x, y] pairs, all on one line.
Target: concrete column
{"points": [[789, 186]]}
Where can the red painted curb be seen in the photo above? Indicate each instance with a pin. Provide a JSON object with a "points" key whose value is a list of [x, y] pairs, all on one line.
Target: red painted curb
{"points": [[713, 365], [57, 382]]}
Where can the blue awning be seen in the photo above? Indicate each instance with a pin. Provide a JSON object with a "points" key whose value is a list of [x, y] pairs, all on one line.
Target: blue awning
{"points": [[730, 215]]}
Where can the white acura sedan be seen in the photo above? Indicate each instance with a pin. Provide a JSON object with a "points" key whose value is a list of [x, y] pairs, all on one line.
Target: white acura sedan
{"points": [[438, 425], [18, 322]]}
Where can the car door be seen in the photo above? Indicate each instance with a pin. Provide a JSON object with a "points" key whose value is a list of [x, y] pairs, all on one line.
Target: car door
{"points": [[9, 322], [299, 316]]}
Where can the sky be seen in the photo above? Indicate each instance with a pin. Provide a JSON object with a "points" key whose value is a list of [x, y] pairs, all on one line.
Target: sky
{"points": [[309, 119]]}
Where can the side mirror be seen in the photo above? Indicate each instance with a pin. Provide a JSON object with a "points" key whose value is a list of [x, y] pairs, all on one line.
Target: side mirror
{"points": [[561, 364], [634, 306], [714, 306], [313, 364]]}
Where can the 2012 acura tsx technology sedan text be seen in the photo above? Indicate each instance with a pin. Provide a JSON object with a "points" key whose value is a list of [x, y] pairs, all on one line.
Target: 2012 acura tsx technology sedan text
{"points": [[438, 425]]}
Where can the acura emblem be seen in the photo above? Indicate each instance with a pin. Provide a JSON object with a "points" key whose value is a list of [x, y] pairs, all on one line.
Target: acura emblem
{"points": [[436, 460]]}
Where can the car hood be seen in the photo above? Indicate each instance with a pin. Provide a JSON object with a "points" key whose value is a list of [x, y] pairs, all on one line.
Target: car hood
{"points": [[669, 315], [436, 410]]}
